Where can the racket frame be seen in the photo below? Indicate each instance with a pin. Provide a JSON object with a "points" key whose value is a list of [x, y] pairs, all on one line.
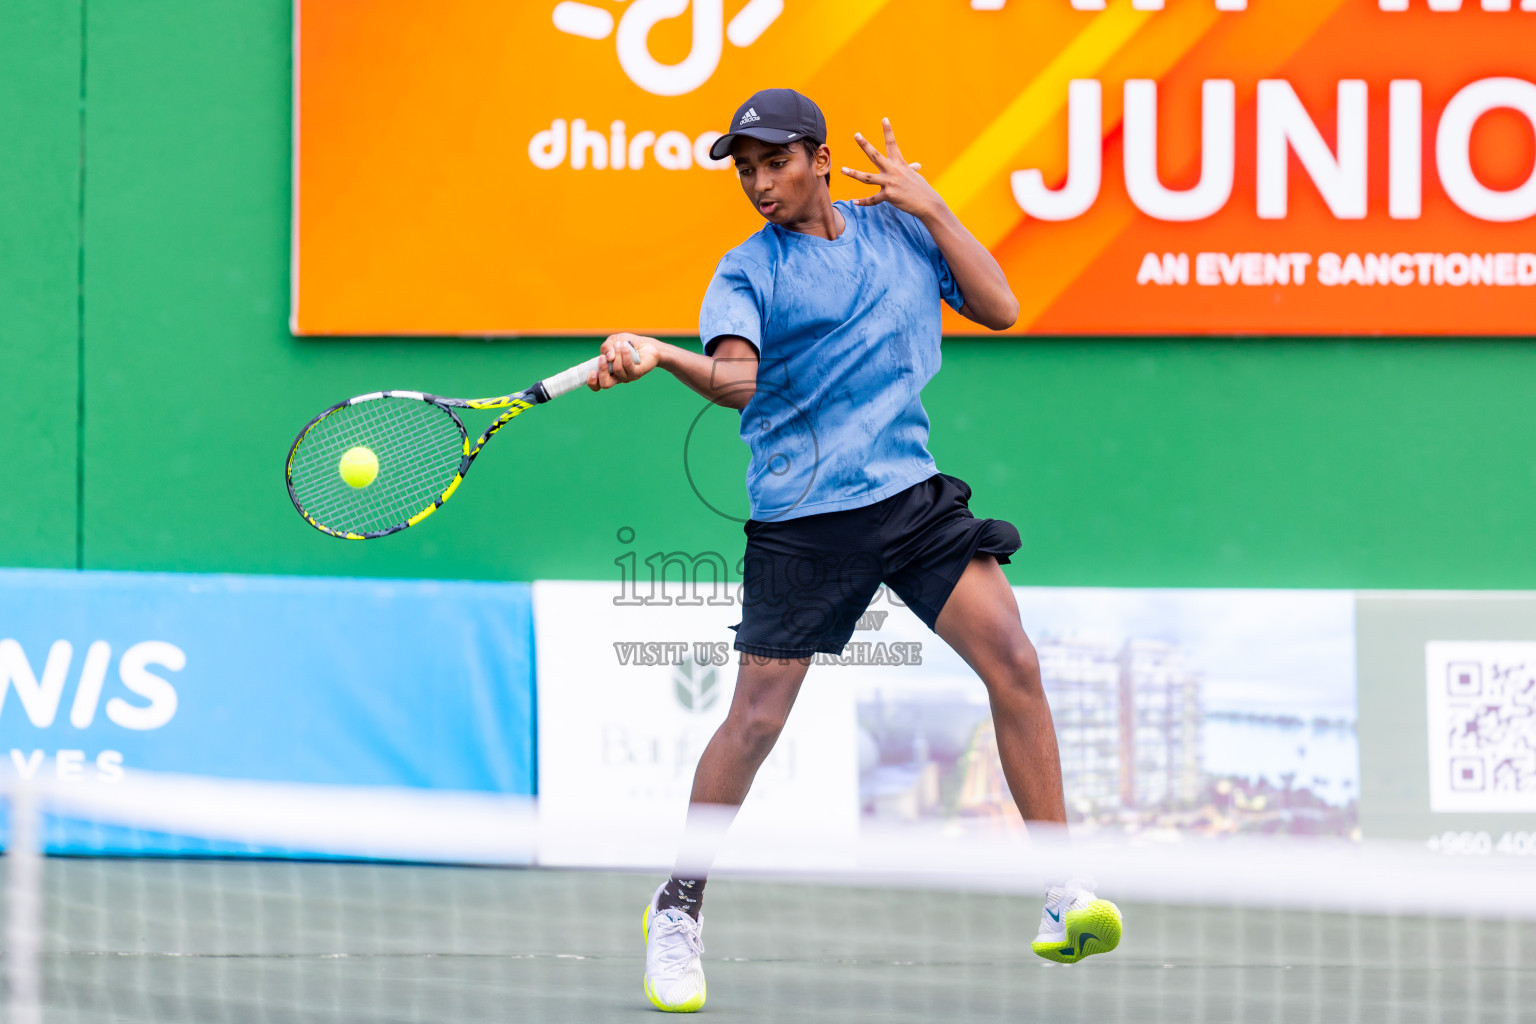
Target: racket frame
{"points": [[515, 404]]}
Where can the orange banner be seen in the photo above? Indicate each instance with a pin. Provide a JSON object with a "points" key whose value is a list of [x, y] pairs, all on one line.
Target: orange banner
{"points": [[1137, 166]]}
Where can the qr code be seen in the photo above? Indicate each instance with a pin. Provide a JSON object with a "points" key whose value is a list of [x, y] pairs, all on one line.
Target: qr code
{"points": [[1482, 726]]}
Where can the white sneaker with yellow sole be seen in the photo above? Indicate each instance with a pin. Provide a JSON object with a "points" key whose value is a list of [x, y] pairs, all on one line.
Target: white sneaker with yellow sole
{"points": [[674, 948], [1075, 923]]}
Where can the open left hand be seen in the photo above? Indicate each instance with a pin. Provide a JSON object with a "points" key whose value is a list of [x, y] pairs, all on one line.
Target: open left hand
{"points": [[899, 182]]}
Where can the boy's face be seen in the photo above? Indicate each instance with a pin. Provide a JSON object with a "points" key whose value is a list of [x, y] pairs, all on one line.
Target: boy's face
{"points": [[783, 182]]}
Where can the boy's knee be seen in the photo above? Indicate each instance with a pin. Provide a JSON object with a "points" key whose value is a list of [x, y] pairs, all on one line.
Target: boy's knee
{"points": [[757, 729], [1020, 670]]}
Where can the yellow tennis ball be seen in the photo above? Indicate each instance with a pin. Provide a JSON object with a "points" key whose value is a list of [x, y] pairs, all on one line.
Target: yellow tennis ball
{"points": [[359, 466]]}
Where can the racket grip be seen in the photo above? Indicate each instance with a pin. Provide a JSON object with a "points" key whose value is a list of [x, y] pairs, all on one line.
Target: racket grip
{"points": [[565, 382]]}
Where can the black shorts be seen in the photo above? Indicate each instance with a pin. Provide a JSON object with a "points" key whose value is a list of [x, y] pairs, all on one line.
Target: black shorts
{"points": [[806, 581]]}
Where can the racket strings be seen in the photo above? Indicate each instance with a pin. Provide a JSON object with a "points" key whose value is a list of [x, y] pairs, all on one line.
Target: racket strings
{"points": [[422, 463], [418, 446]]}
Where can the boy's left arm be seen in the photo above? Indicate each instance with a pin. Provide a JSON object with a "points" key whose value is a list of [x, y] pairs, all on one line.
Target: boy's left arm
{"points": [[989, 300]]}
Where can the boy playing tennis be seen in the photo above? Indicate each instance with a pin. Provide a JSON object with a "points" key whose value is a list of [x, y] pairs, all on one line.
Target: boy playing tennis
{"points": [[823, 328]]}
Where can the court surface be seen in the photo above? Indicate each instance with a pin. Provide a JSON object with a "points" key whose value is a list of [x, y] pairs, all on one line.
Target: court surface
{"points": [[131, 941]]}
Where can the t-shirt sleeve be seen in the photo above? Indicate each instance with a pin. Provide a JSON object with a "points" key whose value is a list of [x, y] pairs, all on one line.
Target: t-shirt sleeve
{"points": [[734, 303], [949, 289]]}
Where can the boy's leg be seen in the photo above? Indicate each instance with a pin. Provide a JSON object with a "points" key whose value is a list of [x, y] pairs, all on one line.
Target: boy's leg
{"points": [[981, 622], [765, 692], [805, 582]]}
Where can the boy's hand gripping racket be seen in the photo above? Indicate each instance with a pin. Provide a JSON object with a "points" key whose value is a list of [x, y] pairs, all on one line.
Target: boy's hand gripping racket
{"points": [[377, 463]]}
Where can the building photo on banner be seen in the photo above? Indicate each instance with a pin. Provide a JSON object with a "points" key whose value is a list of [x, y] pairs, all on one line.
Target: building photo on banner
{"points": [[1021, 509]]}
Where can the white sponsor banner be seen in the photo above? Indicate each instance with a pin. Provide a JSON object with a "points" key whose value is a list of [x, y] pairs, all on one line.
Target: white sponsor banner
{"points": [[628, 696], [1185, 711], [1482, 726]]}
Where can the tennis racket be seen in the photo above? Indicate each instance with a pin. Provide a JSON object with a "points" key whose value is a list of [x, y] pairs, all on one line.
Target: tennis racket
{"points": [[378, 463]]}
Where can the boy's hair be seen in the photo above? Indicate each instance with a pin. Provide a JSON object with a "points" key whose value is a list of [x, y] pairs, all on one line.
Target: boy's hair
{"points": [[812, 146]]}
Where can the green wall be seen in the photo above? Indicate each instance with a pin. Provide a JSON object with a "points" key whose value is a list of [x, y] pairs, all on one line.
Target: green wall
{"points": [[40, 65], [1178, 463]]}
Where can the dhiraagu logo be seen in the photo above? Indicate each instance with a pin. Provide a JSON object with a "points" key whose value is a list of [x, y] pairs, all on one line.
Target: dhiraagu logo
{"points": [[592, 21], [41, 696]]}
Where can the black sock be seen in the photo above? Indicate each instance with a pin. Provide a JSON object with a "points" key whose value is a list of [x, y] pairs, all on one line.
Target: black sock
{"points": [[686, 894]]}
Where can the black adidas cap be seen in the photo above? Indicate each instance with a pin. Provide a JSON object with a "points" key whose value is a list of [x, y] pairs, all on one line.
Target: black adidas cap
{"points": [[775, 116]]}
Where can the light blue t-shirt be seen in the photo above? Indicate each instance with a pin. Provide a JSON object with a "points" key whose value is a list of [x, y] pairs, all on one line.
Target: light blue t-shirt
{"points": [[847, 333]]}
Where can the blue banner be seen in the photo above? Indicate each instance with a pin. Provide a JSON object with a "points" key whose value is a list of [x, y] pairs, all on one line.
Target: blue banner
{"points": [[331, 681]]}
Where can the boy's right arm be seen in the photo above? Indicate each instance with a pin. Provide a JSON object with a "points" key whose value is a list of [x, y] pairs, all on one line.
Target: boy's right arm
{"points": [[728, 378]]}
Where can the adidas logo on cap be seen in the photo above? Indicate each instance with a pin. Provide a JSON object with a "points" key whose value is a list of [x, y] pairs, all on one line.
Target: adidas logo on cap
{"points": [[749, 116]]}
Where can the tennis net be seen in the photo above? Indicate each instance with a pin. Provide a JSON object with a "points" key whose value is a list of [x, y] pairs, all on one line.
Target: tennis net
{"points": [[314, 904]]}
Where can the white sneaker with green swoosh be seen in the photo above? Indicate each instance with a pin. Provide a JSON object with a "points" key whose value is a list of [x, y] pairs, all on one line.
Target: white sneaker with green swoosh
{"points": [[1075, 923]]}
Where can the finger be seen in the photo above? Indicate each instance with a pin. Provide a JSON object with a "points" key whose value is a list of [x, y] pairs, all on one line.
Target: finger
{"points": [[864, 176], [626, 366], [874, 200], [605, 368], [874, 154], [891, 149], [608, 363], [916, 165]]}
